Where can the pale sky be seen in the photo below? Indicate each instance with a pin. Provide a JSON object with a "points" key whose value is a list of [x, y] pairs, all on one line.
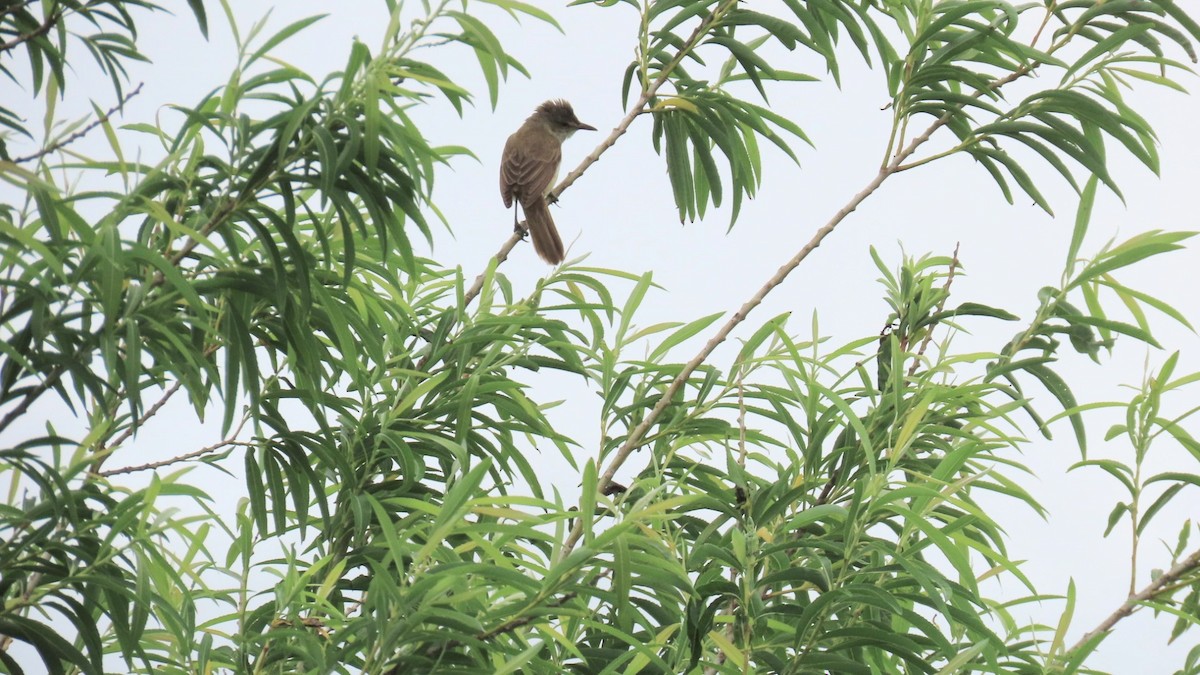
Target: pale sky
{"points": [[622, 216]]}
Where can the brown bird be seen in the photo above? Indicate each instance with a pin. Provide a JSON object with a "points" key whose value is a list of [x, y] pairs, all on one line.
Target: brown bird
{"points": [[529, 167]]}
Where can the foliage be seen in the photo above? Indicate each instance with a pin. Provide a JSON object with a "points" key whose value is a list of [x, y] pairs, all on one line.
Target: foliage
{"points": [[804, 506]]}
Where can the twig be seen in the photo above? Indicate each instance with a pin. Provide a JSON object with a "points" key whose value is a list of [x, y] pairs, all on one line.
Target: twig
{"points": [[148, 414], [82, 132], [741, 420], [510, 626], [232, 440], [101, 455], [637, 109], [37, 32], [1177, 571], [223, 212]]}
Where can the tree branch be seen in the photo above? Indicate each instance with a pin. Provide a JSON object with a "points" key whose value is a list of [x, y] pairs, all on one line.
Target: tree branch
{"points": [[506, 627], [1177, 571], [634, 440], [101, 455], [41, 30], [231, 440], [636, 436], [58, 145]]}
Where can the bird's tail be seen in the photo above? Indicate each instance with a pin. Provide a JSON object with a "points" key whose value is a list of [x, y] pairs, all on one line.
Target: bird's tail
{"points": [[542, 231]]}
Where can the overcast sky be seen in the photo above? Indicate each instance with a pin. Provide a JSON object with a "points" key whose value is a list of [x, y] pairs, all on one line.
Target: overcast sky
{"points": [[621, 215]]}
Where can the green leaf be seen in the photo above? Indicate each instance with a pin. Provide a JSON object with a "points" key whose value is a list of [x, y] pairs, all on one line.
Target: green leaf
{"points": [[1157, 505], [1116, 327], [1113, 468], [1135, 249], [197, 7], [1058, 387], [1058, 644], [281, 36], [688, 330], [972, 309], [51, 647], [1082, 217]]}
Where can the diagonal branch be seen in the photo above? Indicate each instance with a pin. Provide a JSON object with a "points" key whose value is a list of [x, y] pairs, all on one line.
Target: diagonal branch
{"points": [[207, 450], [634, 440], [58, 145], [638, 434], [38, 32], [104, 450], [1150, 592]]}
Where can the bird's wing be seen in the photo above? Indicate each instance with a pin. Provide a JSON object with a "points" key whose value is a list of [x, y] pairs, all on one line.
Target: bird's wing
{"points": [[529, 167]]}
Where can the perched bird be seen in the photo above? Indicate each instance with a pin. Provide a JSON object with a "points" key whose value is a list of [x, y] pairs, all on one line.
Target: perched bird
{"points": [[529, 167]]}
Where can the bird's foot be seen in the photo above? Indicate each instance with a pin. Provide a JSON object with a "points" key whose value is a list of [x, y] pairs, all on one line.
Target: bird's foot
{"points": [[551, 198]]}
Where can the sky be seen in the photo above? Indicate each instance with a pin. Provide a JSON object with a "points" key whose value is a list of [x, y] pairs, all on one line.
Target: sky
{"points": [[620, 215]]}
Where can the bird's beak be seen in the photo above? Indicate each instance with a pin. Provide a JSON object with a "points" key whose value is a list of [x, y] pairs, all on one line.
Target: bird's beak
{"points": [[581, 125]]}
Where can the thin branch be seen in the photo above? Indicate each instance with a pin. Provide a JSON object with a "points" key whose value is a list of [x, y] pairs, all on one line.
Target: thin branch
{"points": [[41, 30], [148, 414], [741, 420], [506, 627], [636, 436], [638, 108], [633, 441], [510, 626], [1150, 592], [58, 145], [232, 440], [101, 456]]}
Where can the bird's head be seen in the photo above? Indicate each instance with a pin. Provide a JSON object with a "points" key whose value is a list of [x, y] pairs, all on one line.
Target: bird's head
{"points": [[560, 118]]}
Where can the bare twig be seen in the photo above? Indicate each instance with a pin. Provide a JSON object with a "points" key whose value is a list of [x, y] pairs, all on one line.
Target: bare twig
{"points": [[58, 145], [148, 414], [1150, 592], [102, 455], [637, 109], [232, 440]]}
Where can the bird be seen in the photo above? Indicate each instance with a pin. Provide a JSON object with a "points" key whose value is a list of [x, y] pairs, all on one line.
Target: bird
{"points": [[529, 167]]}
